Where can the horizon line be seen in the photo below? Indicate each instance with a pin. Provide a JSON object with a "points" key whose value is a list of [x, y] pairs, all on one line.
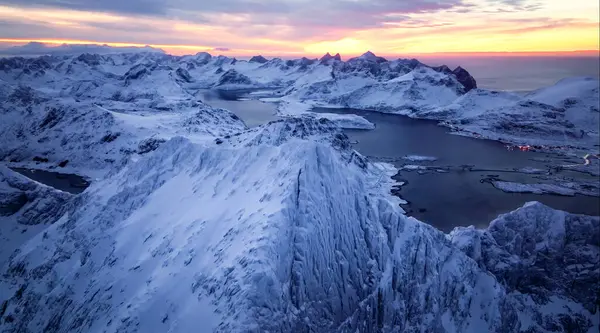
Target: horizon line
{"points": [[250, 53]]}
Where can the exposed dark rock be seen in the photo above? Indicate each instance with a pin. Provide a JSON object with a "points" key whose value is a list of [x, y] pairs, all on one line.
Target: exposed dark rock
{"points": [[259, 59], [89, 59], [11, 202], [465, 78], [184, 75], [148, 145], [110, 137], [328, 57], [233, 77]]}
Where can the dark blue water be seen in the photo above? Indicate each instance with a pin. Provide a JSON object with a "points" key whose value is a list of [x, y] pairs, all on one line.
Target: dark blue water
{"points": [[457, 197], [521, 73], [252, 112], [61, 181]]}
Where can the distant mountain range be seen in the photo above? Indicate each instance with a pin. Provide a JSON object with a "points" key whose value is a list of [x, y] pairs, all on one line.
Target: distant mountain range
{"points": [[36, 49]]}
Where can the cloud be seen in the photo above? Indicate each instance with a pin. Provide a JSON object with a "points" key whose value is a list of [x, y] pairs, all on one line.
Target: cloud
{"points": [[322, 13], [143, 7], [35, 48], [276, 26]]}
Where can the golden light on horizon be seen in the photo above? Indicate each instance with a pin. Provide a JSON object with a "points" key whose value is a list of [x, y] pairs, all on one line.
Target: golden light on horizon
{"points": [[557, 27], [345, 46]]}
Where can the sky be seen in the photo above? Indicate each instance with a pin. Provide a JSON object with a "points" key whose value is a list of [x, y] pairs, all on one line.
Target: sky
{"points": [[308, 27]]}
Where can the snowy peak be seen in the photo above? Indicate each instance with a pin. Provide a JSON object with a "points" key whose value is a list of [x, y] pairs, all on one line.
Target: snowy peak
{"points": [[233, 77], [259, 59], [466, 79], [370, 56], [202, 57], [328, 57]]}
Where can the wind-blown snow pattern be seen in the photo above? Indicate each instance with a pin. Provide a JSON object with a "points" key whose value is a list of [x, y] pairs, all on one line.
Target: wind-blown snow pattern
{"points": [[196, 223]]}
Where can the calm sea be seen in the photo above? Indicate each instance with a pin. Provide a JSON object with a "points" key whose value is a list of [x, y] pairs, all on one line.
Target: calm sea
{"points": [[521, 73]]}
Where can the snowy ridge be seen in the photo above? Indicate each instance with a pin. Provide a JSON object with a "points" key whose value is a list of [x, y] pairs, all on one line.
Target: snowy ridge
{"points": [[552, 258], [277, 232], [421, 88]]}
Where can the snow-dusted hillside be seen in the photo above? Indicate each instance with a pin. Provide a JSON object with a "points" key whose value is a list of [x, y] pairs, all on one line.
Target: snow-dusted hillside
{"points": [[283, 228], [422, 88], [565, 114], [92, 133]]}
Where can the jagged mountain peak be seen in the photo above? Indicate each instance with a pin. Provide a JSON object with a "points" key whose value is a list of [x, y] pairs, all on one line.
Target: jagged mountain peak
{"points": [[327, 57], [372, 57], [259, 59]]}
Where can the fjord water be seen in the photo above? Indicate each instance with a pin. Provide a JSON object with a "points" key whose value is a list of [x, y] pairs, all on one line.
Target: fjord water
{"points": [[456, 198], [252, 112]]}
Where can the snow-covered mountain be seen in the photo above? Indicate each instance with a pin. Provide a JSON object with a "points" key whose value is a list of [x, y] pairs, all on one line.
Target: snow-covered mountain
{"points": [[196, 223], [92, 133], [565, 114], [285, 228]]}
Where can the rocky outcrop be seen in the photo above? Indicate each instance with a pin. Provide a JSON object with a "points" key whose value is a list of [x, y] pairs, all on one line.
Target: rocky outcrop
{"points": [[466, 79]]}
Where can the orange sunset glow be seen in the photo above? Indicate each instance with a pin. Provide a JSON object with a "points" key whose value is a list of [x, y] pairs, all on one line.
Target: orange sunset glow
{"points": [[242, 28]]}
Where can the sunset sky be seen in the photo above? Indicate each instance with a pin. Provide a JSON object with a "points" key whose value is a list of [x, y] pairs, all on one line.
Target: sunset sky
{"points": [[308, 27]]}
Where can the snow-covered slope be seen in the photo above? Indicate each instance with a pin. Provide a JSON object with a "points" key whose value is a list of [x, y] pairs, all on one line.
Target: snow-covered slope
{"points": [[542, 256], [283, 228], [37, 127], [25, 209], [580, 99], [565, 114]]}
